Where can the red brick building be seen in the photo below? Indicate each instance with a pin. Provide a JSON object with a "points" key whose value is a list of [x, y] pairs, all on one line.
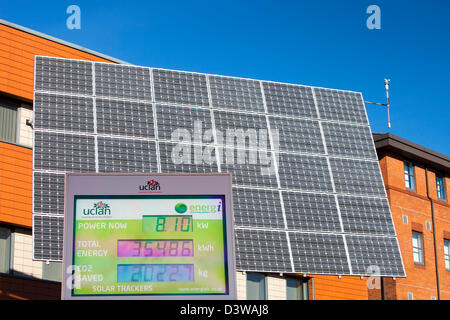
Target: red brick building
{"points": [[417, 183]]}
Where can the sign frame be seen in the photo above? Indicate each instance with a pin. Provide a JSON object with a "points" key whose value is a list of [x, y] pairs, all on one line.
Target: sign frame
{"points": [[128, 184]]}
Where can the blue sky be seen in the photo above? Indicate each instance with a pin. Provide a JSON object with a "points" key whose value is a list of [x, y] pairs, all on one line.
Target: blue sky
{"points": [[319, 43]]}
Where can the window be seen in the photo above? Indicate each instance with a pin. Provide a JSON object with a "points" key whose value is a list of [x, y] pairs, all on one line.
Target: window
{"points": [[410, 296], [447, 254], [409, 176], [256, 286], [417, 241], [296, 289], [5, 250], [8, 120], [440, 186]]}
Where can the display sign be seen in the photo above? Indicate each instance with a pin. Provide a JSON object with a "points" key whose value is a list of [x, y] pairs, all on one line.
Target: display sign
{"points": [[162, 240]]}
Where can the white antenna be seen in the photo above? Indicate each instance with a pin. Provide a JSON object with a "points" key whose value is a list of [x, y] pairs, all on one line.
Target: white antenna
{"points": [[387, 104]]}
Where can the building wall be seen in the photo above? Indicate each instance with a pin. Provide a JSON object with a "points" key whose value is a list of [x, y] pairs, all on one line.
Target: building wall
{"points": [[421, 279], [15, 184], [23, 264], [345, 288], [17, 51], [24, 132]]}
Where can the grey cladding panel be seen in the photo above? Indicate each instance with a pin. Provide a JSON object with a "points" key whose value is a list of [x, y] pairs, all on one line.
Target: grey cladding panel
{"points": [[67, 113], [259, 250]]}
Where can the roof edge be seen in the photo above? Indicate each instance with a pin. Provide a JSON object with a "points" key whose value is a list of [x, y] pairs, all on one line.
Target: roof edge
{"points": [[411, 149], [65, 43]]}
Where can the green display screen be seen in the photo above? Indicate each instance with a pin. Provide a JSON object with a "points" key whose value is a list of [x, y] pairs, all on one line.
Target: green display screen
{"points": [[143, 245]]}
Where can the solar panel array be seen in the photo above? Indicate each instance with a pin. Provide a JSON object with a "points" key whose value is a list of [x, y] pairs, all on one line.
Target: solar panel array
{"points": [[322, 209]]}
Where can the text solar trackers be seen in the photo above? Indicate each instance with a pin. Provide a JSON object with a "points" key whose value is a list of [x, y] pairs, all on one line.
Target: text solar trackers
{"points": [[307, 188]]}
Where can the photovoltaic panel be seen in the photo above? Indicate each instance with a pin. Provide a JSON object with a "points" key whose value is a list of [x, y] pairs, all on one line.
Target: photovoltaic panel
{"points": [[236, 94], [307, 188], [289, 100], [298, 135], [239, 121], [340, 106], [248, 173], [68, 76], [124, 118], [48, 192], [125, 82], [257, 208], [357, 177], [188, 158], [304, 172], [377, 253], [311, 212], [180, 87], [61, 112], [366, 215], [262, 250], [48, 237], [319, 253], [174, 122], [64, 152], [349, 140], [126, 155]]}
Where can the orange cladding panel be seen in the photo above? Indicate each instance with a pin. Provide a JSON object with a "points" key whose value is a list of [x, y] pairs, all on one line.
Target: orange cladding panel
{"points": [[17, 51], [15, 184]]}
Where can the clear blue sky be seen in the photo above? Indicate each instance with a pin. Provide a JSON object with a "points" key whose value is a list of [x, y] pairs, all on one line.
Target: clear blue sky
{"points": [[320, 43]]}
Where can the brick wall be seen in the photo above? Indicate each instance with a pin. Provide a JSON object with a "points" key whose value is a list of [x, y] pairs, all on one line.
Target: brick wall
{"points": [[421, 279]]}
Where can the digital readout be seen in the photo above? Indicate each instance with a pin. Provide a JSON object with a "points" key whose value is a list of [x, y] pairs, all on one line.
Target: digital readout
{"points": [[155, 248], [155, 273], [166, 223]]}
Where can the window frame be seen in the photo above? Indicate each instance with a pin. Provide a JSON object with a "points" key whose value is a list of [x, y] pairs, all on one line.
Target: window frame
{"points": [[262, 286], [409, 175], [447, 254], [441, 193], [6, 259], [419, 249], [301, 288]]}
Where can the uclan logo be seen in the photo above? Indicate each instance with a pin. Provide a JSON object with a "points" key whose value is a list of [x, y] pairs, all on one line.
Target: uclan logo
{"points": [[152, 185]]}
